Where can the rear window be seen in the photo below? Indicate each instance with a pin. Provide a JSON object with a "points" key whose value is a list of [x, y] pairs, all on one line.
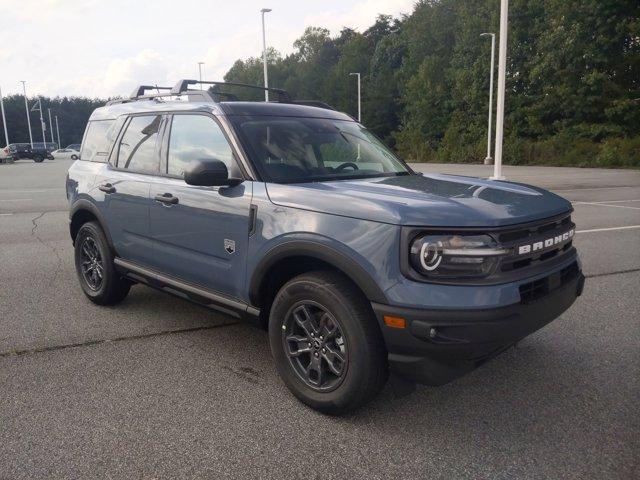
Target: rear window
{"points": [[98, 140]]}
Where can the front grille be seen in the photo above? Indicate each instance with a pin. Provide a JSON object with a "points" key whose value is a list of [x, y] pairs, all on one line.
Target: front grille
{"points": [[532, 291], [531, 234]]}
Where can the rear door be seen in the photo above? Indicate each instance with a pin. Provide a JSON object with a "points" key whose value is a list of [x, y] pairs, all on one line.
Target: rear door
{"points": [[201, 235], [125, 187]]}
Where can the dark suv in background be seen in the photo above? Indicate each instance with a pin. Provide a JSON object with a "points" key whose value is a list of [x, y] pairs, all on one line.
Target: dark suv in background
{"points": [[38, 153], [297, 217]]}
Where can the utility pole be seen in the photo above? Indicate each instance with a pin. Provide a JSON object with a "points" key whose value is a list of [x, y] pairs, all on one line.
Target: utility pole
{"points": [[502, 73], [489, 160], [200, 72], [58, 132], [42, 124], [264, 55], [4, 119], [53, 140], [357, 74], [26, 106]]}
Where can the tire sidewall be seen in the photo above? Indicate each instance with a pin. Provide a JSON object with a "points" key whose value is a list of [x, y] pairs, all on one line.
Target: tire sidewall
{"points": [[354, 334]]}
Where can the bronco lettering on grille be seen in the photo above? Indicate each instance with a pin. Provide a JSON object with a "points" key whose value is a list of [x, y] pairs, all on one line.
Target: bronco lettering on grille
{"points": [[546, 243]]}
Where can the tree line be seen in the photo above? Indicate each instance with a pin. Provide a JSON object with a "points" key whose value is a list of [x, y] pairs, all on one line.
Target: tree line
{"points": [[573, 81]]}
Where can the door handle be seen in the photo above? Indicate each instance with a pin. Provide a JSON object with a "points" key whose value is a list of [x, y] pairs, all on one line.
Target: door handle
{"points": [[167, 199], [107, 188]]}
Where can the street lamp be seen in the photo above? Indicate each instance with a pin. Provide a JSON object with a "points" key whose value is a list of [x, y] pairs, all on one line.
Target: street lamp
{"points": [[53, 140], [264, 55], [58, 131], [200, 72], [4, 119], [502, 73], [489, 160], [357, 74], [26, 106]]}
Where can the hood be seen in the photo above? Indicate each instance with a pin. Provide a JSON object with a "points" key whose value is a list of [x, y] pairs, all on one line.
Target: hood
{"points": [[429, 200]]}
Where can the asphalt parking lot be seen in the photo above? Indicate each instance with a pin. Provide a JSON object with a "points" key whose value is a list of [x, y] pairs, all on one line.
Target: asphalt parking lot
{"points": [[159, 388]]}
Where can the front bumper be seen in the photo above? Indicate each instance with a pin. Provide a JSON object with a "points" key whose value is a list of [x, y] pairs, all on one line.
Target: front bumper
{"points": [[437, 346]]}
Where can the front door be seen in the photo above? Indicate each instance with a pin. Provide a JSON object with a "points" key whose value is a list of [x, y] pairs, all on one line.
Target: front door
{"points": [[200, 234]]}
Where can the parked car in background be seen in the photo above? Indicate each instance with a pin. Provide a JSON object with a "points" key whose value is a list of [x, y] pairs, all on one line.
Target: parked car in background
{"points": [[37, 153], [74, 146], [66, 154], [5, 155]]}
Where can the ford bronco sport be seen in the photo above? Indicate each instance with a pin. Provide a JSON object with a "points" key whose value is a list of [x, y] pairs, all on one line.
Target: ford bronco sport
{"points": [[293, 214]]}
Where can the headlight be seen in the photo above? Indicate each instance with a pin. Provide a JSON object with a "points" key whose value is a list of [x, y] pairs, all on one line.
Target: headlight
{"points": [[455, 256]]}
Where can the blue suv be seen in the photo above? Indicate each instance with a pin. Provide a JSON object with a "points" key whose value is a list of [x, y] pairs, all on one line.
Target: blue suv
{"points": [[293, 215]]}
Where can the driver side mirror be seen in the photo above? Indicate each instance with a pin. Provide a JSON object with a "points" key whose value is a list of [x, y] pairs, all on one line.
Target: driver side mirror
{"points": [[209, 172]]}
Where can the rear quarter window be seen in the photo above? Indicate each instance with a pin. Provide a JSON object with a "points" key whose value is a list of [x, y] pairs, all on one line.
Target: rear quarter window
{"points": [[98, 140]]}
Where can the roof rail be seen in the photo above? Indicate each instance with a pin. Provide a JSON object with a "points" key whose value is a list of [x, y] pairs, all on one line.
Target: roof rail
{"points": [[183, 86]]}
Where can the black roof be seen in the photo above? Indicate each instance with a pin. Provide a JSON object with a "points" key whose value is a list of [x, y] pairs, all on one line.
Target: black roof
{"points": [[280, 109]]}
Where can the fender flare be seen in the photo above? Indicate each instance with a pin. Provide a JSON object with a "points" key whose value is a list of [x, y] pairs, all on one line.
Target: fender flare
{"points": [[86, 205], [319, 251]]}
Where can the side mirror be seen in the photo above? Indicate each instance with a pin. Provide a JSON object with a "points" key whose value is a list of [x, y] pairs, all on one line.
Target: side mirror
{"points": [[209, 172]]}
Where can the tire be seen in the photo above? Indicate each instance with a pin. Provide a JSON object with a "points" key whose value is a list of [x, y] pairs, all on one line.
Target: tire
{"points": [[359, 342], [38, 159], [74, 157], [109, 289]]}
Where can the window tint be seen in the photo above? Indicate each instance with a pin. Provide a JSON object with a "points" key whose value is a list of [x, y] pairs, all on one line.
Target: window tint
{"points": [[138, 145], [98, 141], [194, 137]]}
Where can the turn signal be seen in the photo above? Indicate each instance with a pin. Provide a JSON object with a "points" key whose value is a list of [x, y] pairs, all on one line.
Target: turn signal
{"points": [[394, 322]]}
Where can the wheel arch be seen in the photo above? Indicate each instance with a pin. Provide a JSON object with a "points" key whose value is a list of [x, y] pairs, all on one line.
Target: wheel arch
{"points": [[84, 211], [292, 258]]}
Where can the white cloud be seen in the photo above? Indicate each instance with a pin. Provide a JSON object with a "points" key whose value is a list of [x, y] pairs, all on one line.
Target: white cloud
{"points": [[98, 48]]}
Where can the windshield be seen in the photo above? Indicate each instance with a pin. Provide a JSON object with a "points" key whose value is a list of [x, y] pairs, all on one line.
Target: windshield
{"points": [[297, 150]]}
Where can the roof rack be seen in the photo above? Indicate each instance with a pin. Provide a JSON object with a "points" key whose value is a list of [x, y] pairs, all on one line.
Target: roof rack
{"points": [[182, 89], [183, 86]]}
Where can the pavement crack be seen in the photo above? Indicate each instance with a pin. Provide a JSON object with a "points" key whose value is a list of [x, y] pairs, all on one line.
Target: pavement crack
{"points": [[58, 266], [617, 272], [91, 343]]}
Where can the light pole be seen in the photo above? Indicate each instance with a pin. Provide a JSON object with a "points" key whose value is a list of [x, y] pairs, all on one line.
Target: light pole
{"points": [[26, 106], [502, 73], [4, 119], [53, 140], [357, 74], [58, 131], [42, 124], [489, 160], [200, 72], [264, 55]]}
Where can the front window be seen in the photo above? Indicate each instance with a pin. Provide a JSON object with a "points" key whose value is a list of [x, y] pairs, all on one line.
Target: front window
{"points": [[298, 150]]}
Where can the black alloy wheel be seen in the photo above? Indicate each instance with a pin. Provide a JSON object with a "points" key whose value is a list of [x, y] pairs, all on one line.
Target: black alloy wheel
{"points": [[91, 263], [315, 345]]}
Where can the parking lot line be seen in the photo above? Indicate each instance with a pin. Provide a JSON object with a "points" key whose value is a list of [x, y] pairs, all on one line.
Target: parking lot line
{"points": [[16, 199], [5, 214], [593, 188], [628, 227], [610, 201], [600, 204]]}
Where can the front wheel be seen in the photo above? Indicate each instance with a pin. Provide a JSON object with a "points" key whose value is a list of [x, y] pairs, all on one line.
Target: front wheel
{"points": [[38, 159], [326, 343], [74, 157], [96, 271]]}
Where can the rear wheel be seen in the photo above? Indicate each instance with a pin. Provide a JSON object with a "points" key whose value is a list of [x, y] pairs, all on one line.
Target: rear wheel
{"points": [[326, 343], [98, 277], [74, 157]]}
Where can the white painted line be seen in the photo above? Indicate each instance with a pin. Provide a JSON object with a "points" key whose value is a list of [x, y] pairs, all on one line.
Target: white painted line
{"points": [[594, 188], [609, 201], [16, 199], [5, 214], [605, 205], [629, 227]]}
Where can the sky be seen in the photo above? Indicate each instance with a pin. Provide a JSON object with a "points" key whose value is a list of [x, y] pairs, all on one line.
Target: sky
{"points": [[102, 48]]}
